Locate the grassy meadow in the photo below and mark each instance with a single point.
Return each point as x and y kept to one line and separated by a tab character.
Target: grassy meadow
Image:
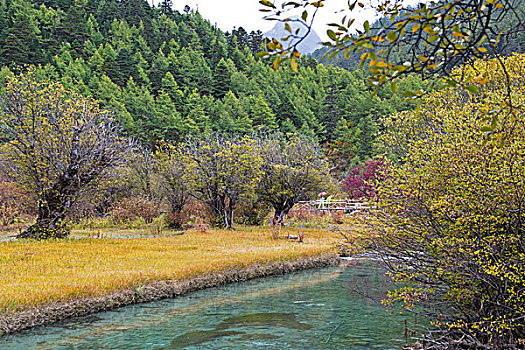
102	261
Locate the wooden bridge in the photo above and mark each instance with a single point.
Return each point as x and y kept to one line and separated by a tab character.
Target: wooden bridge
329	204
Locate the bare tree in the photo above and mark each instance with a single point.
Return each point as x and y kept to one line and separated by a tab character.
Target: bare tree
171	183
59	146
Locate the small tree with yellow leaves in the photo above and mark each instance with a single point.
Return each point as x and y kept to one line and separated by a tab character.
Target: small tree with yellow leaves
171	181
294	169
59	146
222	172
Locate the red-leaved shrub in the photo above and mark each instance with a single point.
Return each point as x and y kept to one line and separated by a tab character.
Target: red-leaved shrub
360	183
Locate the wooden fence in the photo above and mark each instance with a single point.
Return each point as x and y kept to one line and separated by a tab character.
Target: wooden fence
346	205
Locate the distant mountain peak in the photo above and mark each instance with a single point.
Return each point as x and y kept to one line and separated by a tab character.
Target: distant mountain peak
307	46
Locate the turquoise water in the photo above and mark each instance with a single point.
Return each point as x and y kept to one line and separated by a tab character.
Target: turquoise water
333	308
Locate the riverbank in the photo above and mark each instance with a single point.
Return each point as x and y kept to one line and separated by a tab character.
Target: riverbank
47	282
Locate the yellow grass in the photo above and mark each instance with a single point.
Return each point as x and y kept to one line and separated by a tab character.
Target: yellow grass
37	273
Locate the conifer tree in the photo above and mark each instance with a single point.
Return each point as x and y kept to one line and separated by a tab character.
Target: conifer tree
365	138
20	43
74	28
221	79
125	67
166	7
262	115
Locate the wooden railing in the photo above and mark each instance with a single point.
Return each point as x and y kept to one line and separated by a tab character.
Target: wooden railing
346	205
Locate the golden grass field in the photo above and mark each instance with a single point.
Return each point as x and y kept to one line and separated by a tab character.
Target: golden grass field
34	273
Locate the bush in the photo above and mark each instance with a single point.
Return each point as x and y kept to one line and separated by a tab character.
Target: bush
451	217
130	209
362	180
338	217
302	215
252	213
13	203
193	214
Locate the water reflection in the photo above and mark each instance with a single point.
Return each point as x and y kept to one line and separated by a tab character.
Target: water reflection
335	308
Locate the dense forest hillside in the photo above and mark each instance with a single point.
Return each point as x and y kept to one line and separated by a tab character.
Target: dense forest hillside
167	74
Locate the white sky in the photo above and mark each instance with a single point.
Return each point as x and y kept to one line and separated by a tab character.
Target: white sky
245	13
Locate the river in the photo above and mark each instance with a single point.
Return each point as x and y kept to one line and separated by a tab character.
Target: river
331	308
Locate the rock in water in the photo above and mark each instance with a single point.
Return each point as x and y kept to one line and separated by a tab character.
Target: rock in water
198	337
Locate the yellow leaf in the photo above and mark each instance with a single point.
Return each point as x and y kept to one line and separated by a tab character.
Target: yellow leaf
365	56
293	63
276	64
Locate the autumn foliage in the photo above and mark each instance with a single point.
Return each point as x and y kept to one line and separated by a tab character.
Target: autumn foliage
362	179
58	146
451	218
68	154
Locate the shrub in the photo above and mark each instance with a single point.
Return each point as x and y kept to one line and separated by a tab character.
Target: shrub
362	180
451	218
13	203
130	209
338	217
254	213
304	216
193	214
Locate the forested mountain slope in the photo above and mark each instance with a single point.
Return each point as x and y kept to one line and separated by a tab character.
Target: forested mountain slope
167	74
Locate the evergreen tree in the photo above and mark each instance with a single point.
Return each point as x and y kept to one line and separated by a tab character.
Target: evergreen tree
206	79
166	7
256	41
365	138
74	28
331	115
20	44
171	88
158	69
341	150
262	115
125	67
195	119
166	112
221	79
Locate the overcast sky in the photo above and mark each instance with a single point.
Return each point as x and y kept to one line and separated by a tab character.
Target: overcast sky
245	13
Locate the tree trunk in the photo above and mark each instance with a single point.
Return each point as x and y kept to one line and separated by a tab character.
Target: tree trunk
218	207
175	221
282	208
49	223
45	229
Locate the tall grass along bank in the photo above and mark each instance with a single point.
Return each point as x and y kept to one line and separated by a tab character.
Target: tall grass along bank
45	282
